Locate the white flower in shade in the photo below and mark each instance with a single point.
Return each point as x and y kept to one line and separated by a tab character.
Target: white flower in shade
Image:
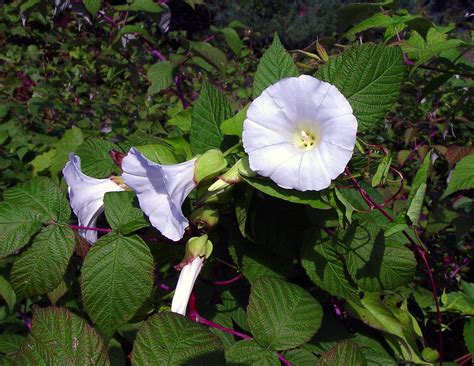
86	195
161	190
300	132
187	278
197	250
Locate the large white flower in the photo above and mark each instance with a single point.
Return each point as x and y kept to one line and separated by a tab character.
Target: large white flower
300	132
161	190
86	195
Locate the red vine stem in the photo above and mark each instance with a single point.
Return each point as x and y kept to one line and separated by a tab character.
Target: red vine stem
439	316
99	229
196	317
228	282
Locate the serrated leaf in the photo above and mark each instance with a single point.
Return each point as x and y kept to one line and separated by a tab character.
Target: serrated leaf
375	21
171	339
255	263
325	268
311	198
92	6
59	337
123	213
211	108
10	343
7	293
160	75
282	315
17	226
117	278
250	353
95	159
233	40
345	353
462	176
42	266
468	334
369	76
376	262
235	125
275	64
43	196
300	357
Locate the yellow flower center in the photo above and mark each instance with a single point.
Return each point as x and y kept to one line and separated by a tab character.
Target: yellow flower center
306	138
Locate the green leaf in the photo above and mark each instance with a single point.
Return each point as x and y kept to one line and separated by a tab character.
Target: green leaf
376	262
7	293
369	76
235	125
41	267
17	226
311	198
211	108
171	339
43	196
375	21
210	54
255	263
92	6
250	353
275	64
382	170
70	141
117	278
134	29
400	333
10	343
300	357
282	315
95	158
160	75
43	161
469	335
123	213
141	5
159	153
325	267
59	337
418	189
345	353
462	176
233	40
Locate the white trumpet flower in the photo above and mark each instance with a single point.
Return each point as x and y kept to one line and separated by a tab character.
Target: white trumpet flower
86	195
161	190
300	132
187	278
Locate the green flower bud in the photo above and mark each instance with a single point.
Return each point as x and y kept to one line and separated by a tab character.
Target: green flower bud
204	217
233	175
198	247
208	165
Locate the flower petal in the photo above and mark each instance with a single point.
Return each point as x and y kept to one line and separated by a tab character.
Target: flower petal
294	107
86	195
185	285
334	157
161	191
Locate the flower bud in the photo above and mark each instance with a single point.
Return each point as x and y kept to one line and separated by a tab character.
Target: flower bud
208	165
233	175
204	217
